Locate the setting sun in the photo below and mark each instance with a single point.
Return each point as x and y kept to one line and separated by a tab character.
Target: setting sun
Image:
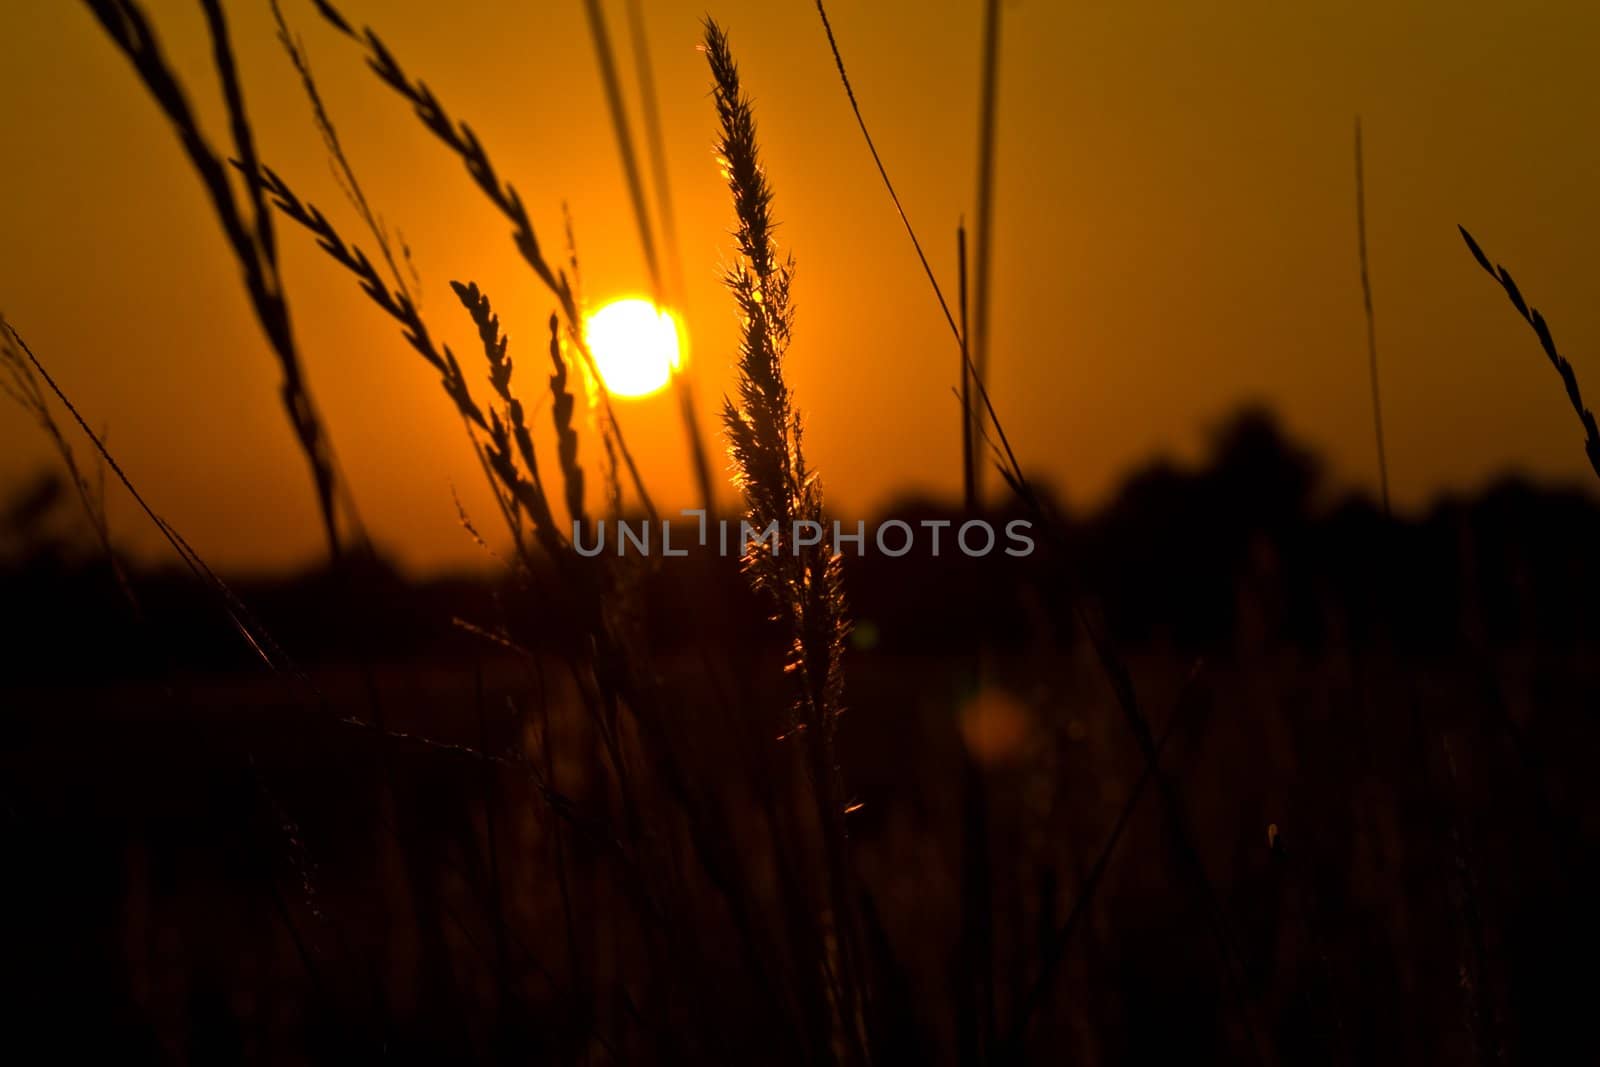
635	346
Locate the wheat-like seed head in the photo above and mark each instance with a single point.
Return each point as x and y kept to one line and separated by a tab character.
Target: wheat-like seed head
561	410
249	234
1541	329
460	139
530	491
396	303
764	430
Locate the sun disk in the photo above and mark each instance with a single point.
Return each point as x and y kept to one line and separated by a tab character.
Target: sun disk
635	347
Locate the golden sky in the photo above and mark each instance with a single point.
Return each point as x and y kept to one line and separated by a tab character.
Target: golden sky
1174	234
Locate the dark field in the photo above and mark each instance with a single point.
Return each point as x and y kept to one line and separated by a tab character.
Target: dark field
1371	838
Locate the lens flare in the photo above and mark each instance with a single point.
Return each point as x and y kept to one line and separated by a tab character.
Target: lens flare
635	347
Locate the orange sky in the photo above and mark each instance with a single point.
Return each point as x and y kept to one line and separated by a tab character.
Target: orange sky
1174	234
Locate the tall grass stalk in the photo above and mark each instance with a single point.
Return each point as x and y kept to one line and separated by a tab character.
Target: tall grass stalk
976	1021
1010	469
611	478
800	578
249	233
894	197
1372	332
606	60
254	635
1111	664
969	420
655	142
984	253
24	389
404	280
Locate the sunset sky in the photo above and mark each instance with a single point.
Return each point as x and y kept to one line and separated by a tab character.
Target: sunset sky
1174	235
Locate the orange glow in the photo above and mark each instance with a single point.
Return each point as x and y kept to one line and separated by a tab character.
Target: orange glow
635	347
995	726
